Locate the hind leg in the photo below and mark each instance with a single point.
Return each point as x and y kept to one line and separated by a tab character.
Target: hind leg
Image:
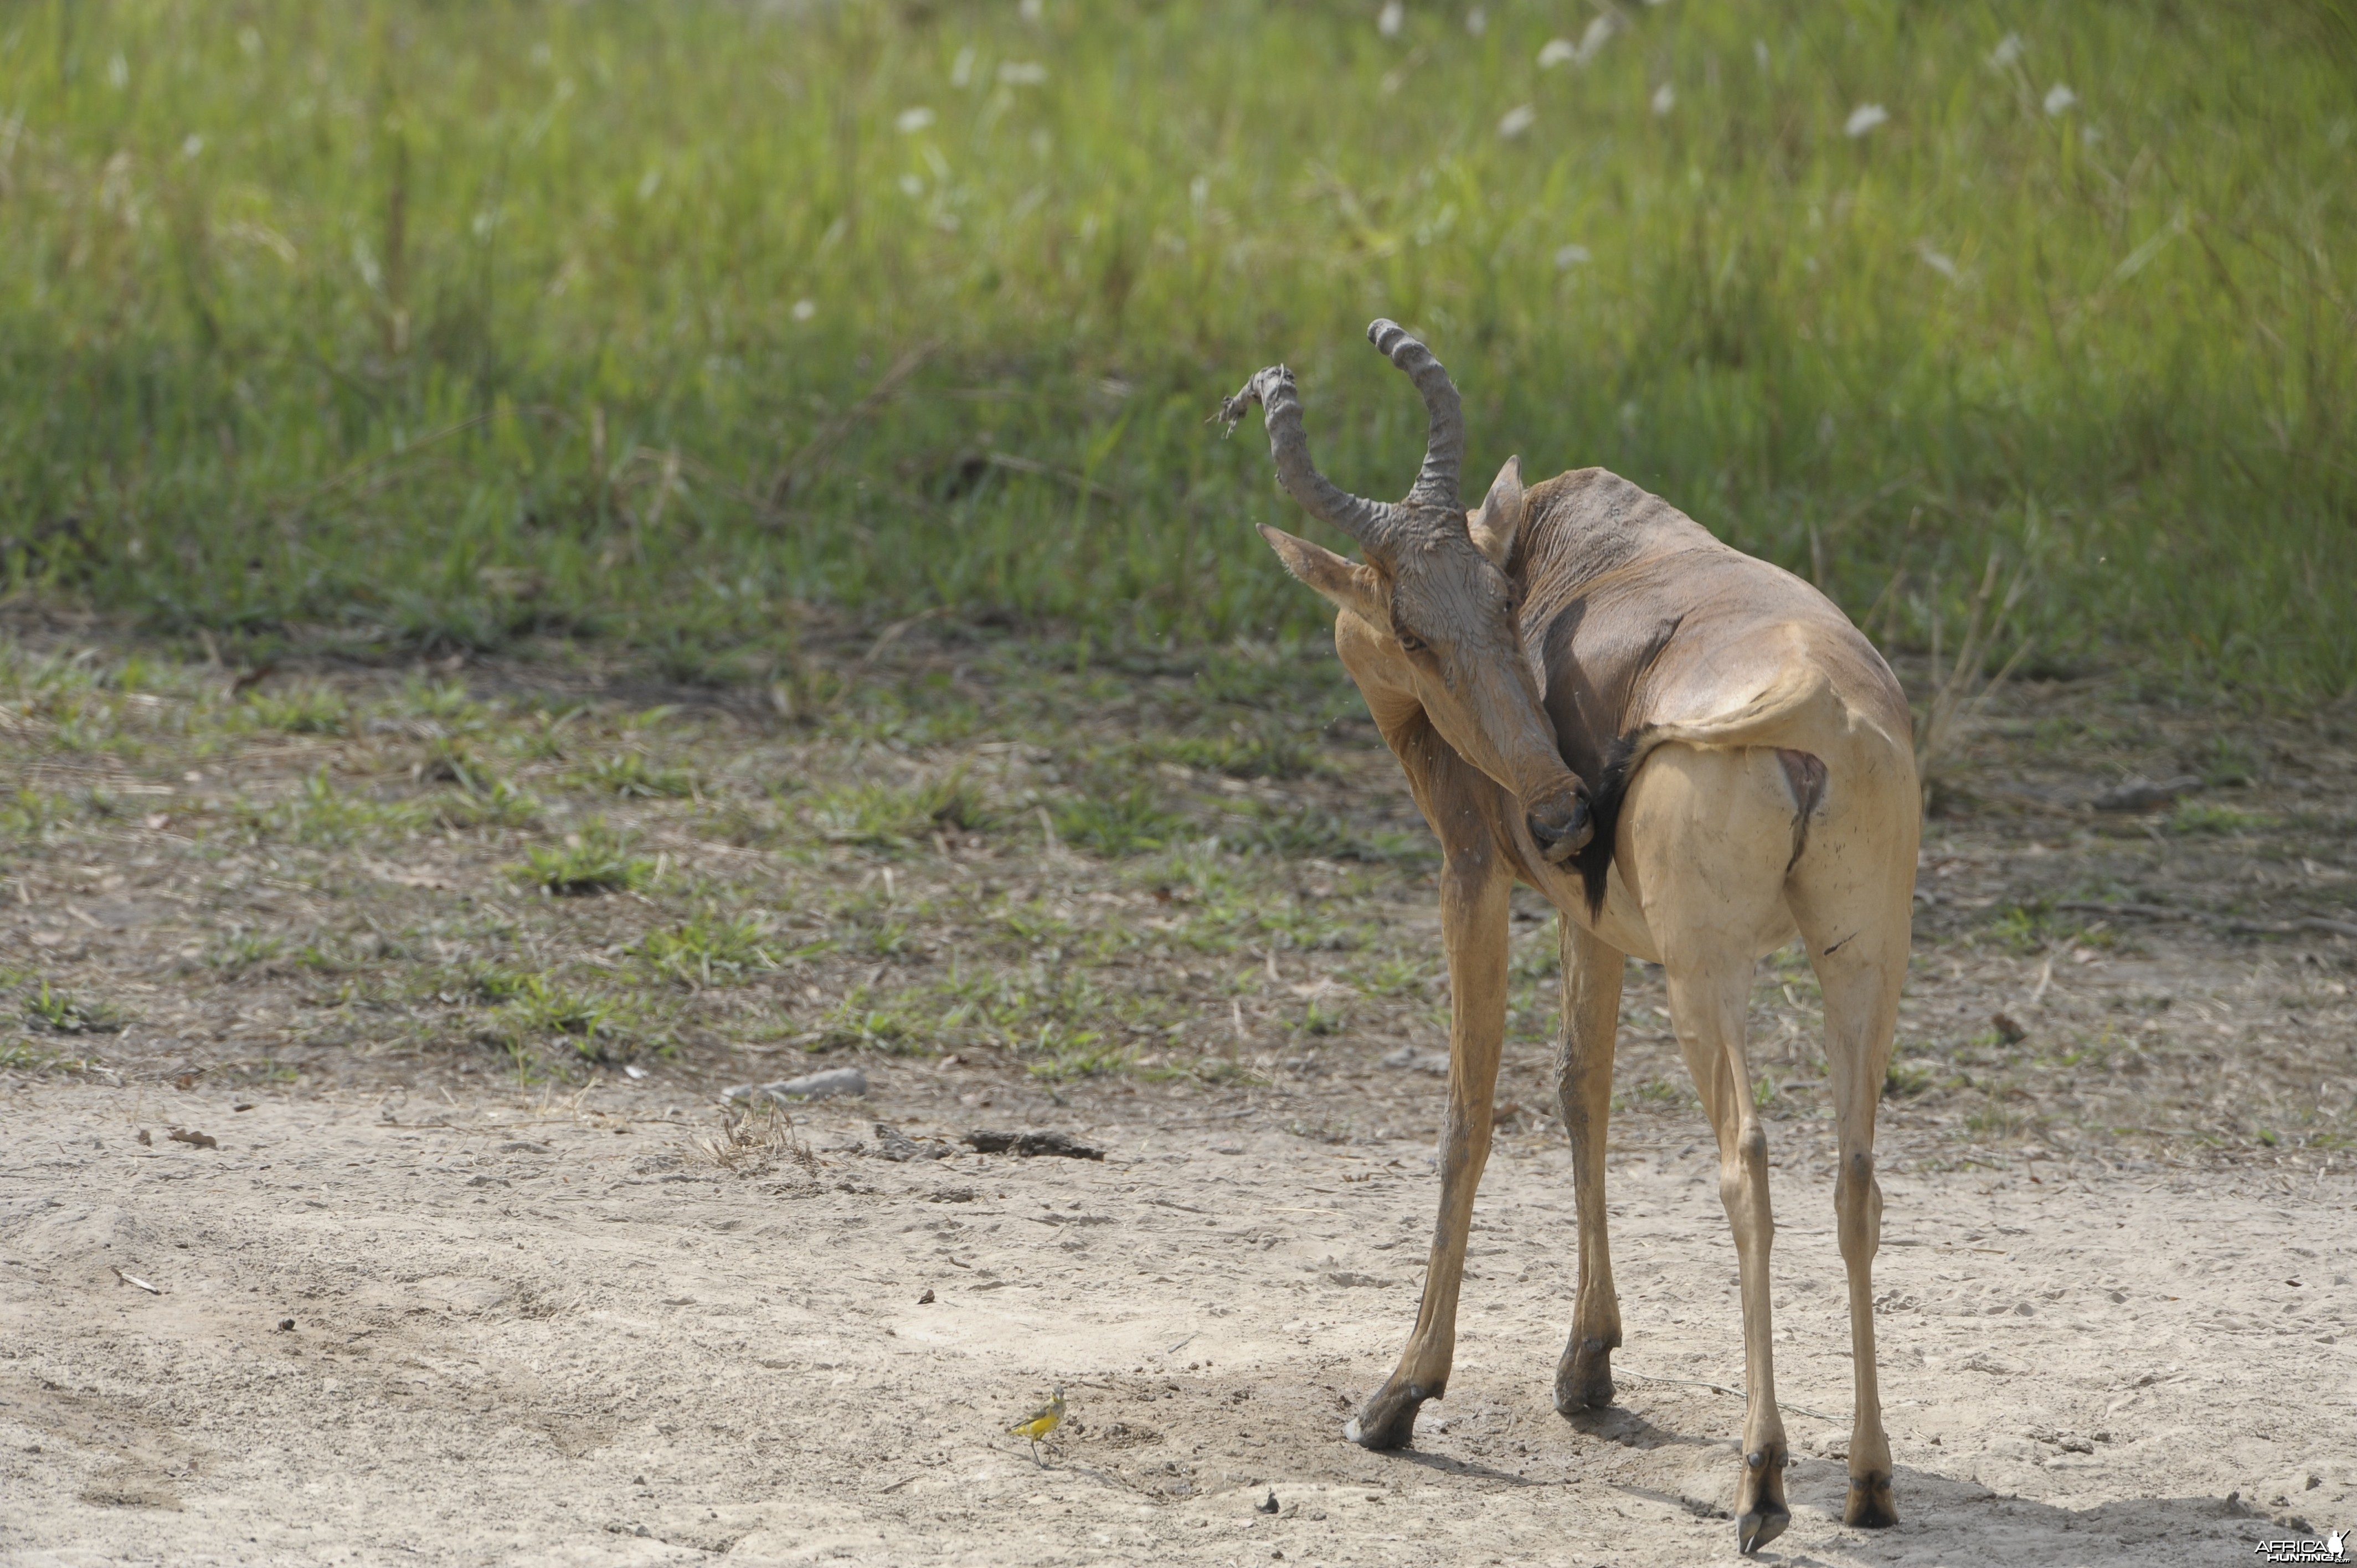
1710	834
1852	894
1591	1013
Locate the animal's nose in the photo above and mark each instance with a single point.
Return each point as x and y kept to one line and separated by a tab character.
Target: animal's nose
1562	827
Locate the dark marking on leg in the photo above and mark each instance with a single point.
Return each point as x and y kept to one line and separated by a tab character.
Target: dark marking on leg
1839	945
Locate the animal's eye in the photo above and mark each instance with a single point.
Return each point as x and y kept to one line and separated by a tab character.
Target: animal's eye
1410	643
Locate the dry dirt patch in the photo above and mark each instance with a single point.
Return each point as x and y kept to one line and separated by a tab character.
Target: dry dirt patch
520	1335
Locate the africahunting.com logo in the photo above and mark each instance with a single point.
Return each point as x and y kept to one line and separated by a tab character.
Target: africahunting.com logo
2333	1548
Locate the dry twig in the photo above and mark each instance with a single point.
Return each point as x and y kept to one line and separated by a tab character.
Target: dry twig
1960	693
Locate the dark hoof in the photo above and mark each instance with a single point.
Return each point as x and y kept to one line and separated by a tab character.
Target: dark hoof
1387	1419
1583	1379
1757	1528
1871	1505
1761	1515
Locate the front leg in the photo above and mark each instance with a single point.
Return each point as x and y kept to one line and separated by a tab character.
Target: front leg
1473	890
1591	1014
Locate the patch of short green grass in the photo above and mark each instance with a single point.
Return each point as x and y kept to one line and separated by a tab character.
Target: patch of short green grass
1270	752
1296	832
1117	822
1906	1079
2214	818
535	1009
594	859
890	816
238	950
63	1013
319	812
711	949
633	776
306	708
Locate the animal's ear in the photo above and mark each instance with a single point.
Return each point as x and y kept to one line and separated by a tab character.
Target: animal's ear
1501	518
1350	586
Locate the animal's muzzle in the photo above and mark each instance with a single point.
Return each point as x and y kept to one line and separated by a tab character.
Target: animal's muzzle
1562	827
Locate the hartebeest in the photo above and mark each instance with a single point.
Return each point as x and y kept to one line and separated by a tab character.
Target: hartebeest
1694	756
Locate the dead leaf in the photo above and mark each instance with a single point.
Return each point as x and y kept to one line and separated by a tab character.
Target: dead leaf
199	1140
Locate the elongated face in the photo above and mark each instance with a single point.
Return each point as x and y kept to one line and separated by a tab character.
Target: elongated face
1439	610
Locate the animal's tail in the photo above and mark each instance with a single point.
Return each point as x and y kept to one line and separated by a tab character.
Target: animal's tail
1765	720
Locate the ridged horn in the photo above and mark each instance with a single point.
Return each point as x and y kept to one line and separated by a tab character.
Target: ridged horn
1369	522
1444	445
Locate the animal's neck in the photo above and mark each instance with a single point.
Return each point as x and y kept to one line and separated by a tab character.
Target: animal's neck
1587	523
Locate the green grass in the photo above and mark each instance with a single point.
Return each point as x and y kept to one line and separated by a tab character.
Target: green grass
887	816
411	326
628	775
592	861
1117	822
533	1009
711	949
62	1014
2194	817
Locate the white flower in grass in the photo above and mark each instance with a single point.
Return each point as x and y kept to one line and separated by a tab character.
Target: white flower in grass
1391	19
804	309
1032	10
192	146
1665	98
1945	266
911	187
1563	52
1570	256
1477	20
1023	73
1516	121
2059	99
961	68
2008	49
909	121
1864	118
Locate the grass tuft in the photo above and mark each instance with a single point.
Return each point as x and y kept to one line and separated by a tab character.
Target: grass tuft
710	950
593	860
61	1014
888	816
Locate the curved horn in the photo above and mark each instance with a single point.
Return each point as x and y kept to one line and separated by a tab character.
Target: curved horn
1364	520
1444	447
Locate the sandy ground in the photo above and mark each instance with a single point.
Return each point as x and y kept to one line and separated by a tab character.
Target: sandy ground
525	1332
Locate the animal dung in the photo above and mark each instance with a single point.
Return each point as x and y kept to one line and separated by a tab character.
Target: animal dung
988	1141
193	1138
811	1086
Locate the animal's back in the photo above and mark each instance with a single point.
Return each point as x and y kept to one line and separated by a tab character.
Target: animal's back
1650	629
